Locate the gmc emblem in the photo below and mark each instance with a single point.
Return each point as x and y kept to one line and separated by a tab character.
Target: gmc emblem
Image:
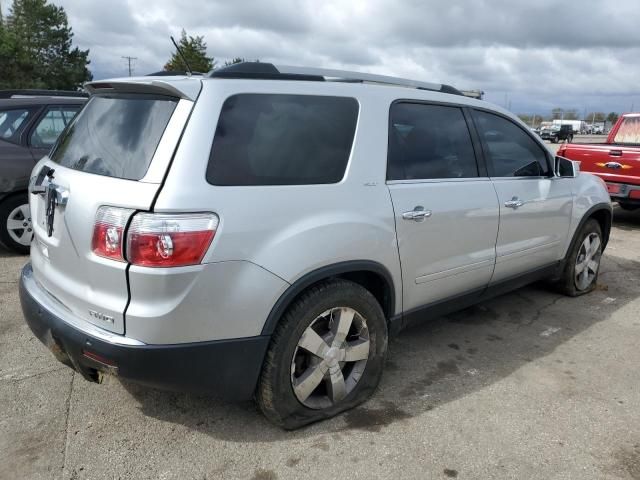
101	316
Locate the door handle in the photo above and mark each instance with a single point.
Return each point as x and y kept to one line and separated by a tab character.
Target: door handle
514	203
615	153
418	214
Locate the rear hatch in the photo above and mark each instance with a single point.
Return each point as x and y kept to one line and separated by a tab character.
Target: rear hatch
115	153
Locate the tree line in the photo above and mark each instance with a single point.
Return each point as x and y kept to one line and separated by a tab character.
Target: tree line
194	51
37	51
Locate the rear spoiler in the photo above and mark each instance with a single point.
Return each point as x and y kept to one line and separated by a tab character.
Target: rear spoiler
187	88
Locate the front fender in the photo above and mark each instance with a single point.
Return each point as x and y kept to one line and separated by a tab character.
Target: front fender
590	196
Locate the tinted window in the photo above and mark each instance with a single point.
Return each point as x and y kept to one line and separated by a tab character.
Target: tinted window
282	140
429	141
115	136
511	151
10	123
628	132
51	126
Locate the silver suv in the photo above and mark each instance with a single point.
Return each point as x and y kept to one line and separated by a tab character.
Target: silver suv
260	232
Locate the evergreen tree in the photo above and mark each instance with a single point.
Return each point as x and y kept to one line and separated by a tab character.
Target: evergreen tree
37	39
194	50
233	61
612	117
7	54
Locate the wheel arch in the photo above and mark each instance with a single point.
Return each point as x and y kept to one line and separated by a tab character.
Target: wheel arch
373	276
603	214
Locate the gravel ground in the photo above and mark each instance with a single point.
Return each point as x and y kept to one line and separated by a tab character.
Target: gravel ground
529	385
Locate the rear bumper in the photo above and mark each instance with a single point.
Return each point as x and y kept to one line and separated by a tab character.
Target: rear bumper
624	191
228	368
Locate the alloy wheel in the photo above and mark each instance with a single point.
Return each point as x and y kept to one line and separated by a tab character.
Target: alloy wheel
588	261
19	225
330	358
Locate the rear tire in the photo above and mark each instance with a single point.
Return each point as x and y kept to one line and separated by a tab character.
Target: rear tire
582	263
297	387
16	230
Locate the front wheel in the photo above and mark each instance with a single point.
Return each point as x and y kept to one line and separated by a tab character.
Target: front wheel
326	355
583	261
16	230
554	139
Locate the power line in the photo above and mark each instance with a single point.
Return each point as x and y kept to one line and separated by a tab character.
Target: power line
129	61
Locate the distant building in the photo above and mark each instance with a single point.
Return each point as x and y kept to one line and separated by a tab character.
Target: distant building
477	94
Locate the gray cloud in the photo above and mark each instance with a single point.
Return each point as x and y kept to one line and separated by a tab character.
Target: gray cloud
538	53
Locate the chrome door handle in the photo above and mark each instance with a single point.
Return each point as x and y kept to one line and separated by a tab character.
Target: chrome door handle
418	214
514	203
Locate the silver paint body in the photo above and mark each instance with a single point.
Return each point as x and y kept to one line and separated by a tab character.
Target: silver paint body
271	236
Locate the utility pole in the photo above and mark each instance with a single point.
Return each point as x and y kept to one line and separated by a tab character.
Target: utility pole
129	60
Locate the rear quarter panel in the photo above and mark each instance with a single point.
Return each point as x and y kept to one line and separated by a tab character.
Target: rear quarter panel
16	163
291	230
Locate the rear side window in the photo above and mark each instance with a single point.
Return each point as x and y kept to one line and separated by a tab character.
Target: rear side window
510	151
11	122
428	142
272	139
629	132
115	136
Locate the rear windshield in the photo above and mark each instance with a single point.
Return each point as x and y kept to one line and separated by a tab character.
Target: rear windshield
629	131
115	136
273	139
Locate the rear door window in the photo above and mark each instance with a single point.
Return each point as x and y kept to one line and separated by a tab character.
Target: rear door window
510	151
115	136
277	139
429	142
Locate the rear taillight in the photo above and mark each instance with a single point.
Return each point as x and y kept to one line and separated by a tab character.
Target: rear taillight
169	240
108	230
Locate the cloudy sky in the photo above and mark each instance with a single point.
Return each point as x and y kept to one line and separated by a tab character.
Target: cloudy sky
529	55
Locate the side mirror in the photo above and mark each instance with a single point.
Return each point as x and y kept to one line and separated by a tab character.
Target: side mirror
566	168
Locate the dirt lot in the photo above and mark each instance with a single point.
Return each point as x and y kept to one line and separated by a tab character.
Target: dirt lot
531	385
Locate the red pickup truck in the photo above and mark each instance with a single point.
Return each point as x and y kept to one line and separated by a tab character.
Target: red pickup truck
617	161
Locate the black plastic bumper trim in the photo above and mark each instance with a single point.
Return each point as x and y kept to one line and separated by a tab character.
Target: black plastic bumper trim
225	368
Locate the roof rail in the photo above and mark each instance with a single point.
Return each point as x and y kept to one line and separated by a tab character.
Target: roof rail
172	73
260	70
22	93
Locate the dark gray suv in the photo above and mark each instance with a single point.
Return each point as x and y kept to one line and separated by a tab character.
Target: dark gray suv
30	122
